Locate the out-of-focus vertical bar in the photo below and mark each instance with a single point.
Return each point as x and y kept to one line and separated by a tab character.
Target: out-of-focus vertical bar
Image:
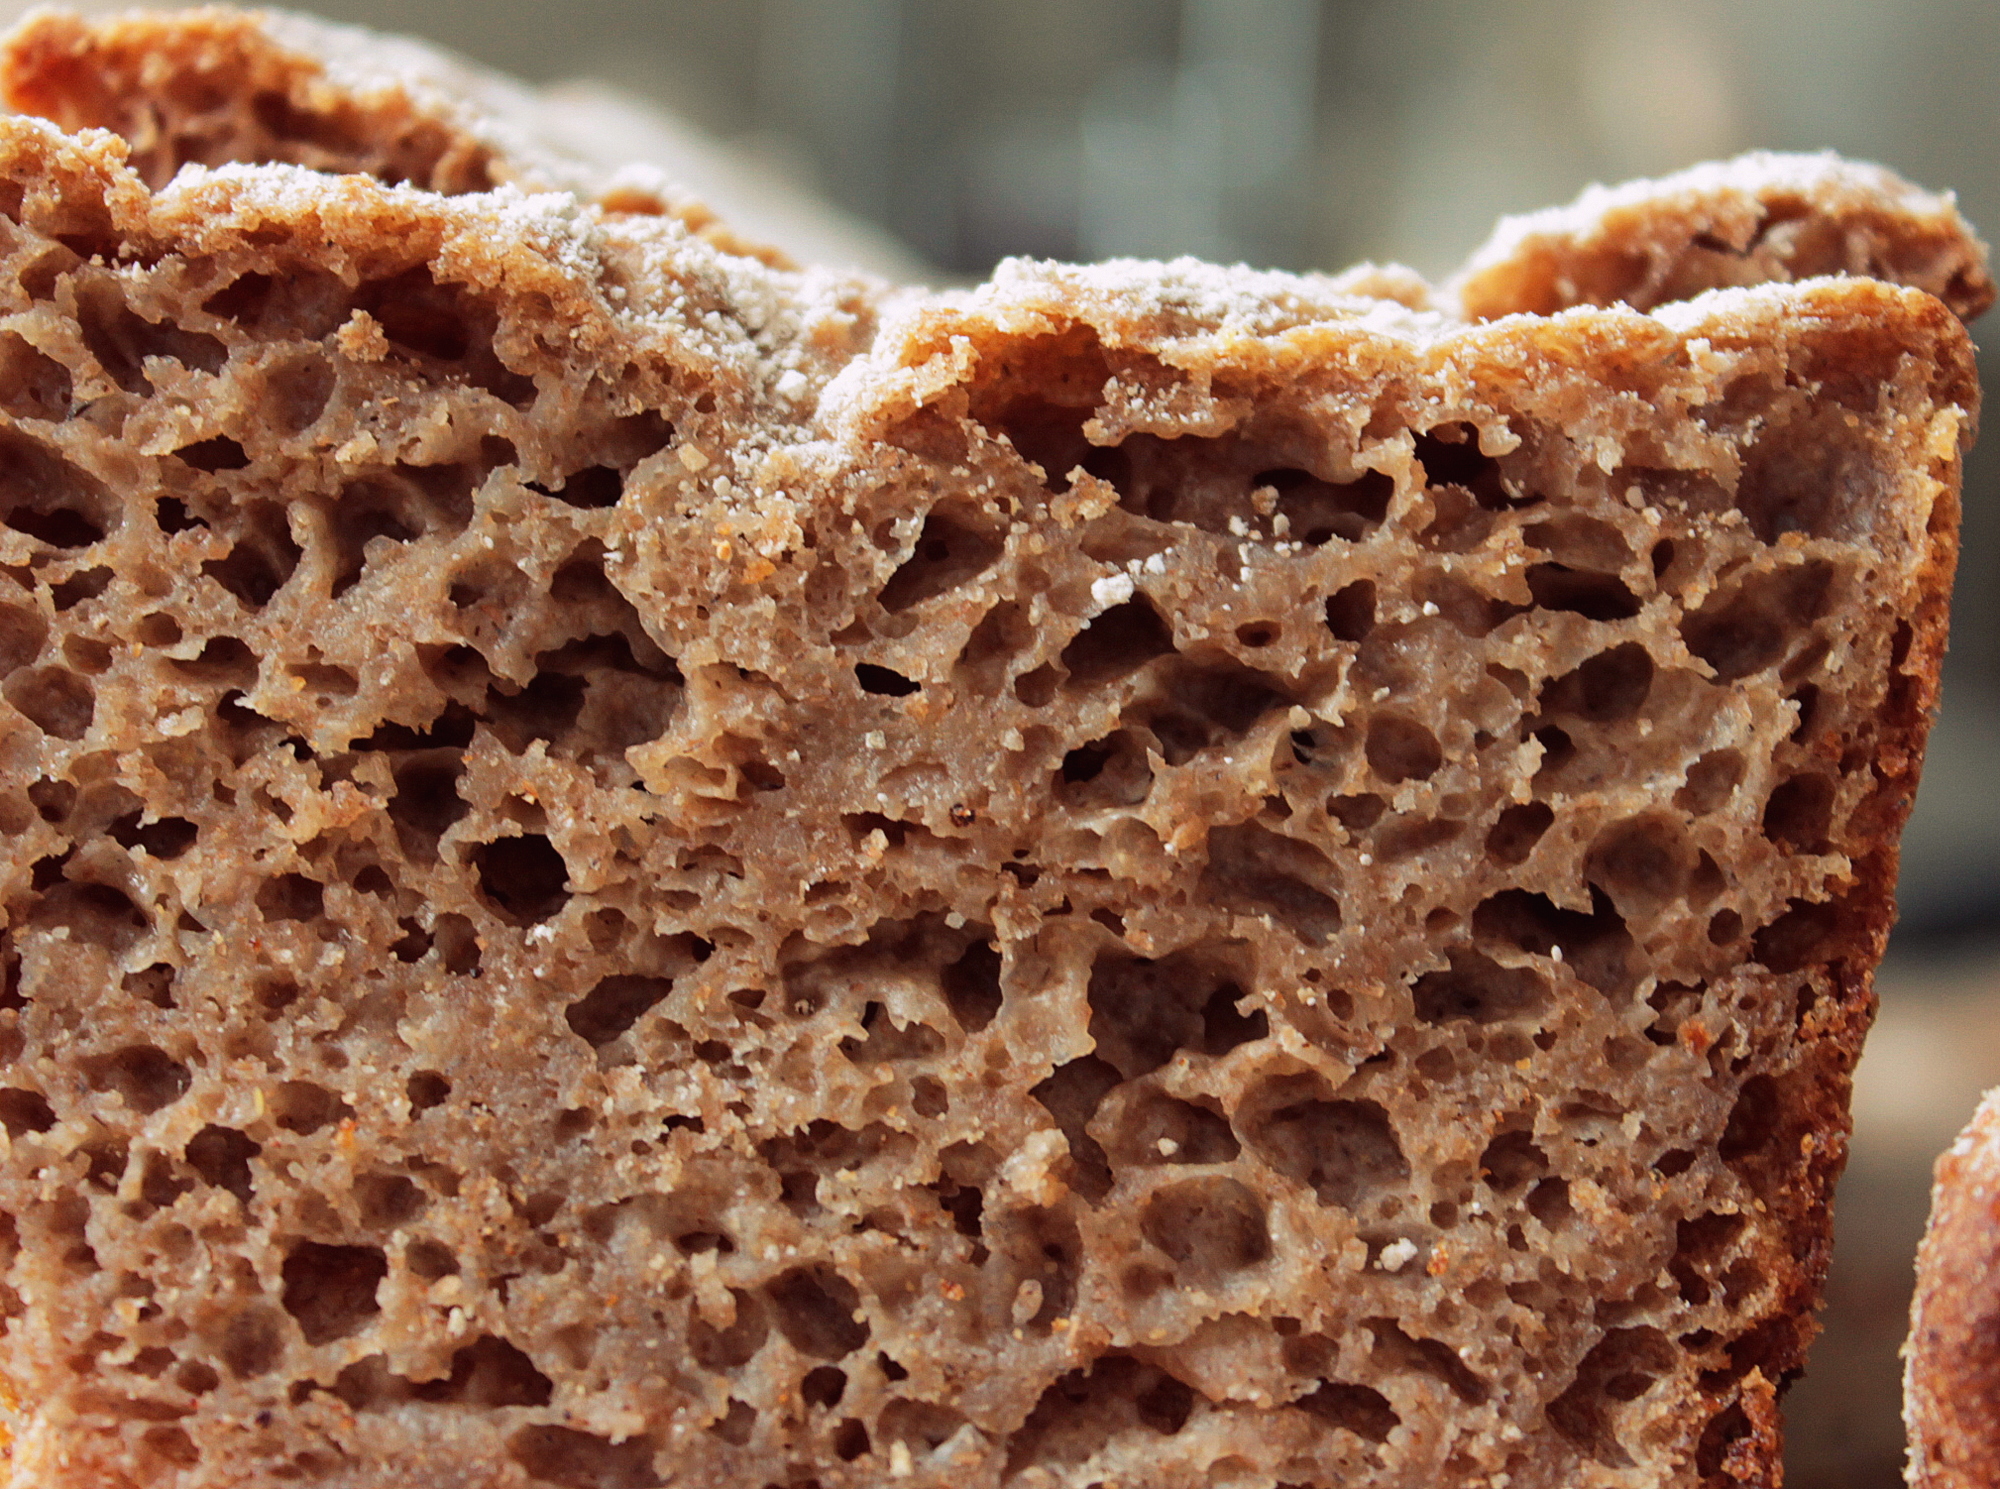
1258	62
1211	154
827	76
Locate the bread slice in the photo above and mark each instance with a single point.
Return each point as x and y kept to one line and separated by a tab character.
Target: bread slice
1951	1384
626	866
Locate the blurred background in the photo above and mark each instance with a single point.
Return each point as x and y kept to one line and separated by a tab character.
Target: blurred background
931	138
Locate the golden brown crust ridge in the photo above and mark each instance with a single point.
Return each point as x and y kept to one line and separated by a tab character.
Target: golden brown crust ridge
218	85
1758	219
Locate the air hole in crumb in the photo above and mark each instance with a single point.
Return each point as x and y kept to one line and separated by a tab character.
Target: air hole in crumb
217	454
1401	749
173	1445
1747	628
330	1290
426	803
729	1349
1799	814
615	1005
571	1459
948	553
23	1112
365	512
292	897
430	1260
823	1385
147	1077
1117	642
1592	595
1223	1028
166	839
55	699
1516	831
426	1089
490	1372
850	1440
1343	1151
1754	1122
1799	937
923	1425
1142	1011
1037	687
122	341
33	385
1478	989
1644	863
1711	781
1549	1203
1396	1351
1350	612
59	527
1259	633
22	635
388	1200
1364	1412
882	681
594	487
815	1309
1612	686
525	877
1583	1412
221	1155
84	584
264	558
154	985
1080	1411
1259	872
1674	1162
1512	1161
1317	511
252	1343
1596	947
1357	813
1209	1227
736	1424
971	986
1072	1095
304	1107
1157	1128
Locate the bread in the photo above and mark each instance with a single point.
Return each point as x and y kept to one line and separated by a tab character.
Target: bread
1951	1382
628	866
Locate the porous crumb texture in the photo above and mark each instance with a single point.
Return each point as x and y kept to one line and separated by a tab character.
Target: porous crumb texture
625	868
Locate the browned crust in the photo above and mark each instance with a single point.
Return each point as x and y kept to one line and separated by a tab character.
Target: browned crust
1759	219
219	85
1951	1383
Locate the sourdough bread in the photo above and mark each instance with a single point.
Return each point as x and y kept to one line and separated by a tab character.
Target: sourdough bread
628	866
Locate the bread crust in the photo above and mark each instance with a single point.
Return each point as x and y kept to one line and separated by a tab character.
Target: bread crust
1951	1384
1762	218
216	85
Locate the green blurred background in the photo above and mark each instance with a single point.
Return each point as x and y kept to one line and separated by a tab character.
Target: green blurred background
1311	133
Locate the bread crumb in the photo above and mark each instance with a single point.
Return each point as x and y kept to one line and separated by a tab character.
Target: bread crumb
1397	1255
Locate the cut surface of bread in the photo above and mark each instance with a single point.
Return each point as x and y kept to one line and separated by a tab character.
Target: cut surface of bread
1951	1385
630	867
